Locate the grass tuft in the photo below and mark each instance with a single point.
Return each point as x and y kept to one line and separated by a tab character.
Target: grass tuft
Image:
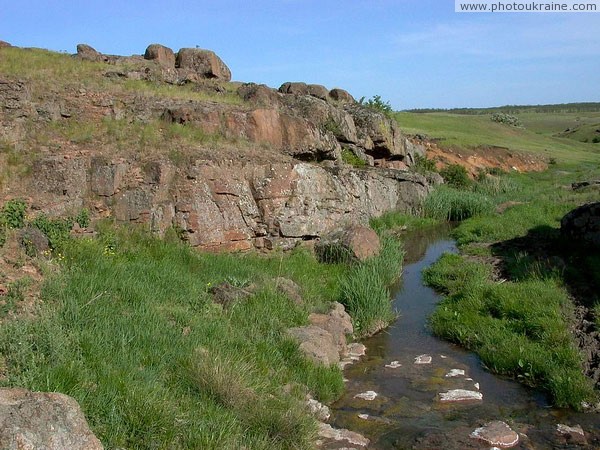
364	289
446	203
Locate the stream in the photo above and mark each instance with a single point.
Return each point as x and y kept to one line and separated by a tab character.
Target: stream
408	413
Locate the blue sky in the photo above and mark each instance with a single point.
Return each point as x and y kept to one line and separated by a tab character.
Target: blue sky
414	53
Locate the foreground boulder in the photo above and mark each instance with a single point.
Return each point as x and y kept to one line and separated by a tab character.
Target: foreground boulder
583	224
357	242
39	420
204	63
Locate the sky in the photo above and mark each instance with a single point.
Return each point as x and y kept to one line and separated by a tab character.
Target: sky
413	53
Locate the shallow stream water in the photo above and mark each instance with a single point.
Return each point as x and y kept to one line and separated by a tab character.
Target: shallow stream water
407	412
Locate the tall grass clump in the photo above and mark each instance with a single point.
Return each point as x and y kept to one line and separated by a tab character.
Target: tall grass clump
395	221
447	203
517	328
365	288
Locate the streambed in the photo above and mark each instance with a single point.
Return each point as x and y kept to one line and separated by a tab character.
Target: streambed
408	368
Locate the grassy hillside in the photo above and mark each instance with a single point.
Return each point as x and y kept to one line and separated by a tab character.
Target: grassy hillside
539	135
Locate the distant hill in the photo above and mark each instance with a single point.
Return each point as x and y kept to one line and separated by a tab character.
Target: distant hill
517	109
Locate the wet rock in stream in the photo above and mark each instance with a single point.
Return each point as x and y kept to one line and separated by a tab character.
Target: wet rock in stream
497	434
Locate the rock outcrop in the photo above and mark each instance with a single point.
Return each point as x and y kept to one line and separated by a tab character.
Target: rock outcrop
272	176
226	207
36	420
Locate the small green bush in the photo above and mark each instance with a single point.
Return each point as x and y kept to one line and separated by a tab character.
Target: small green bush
57	230
377	104
456	175
423	165
13	214
506	119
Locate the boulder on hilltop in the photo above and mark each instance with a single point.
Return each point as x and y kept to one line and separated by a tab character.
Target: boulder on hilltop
203	63
164	56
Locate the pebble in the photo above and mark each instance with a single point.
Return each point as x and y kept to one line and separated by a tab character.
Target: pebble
363	416
393	365
369	395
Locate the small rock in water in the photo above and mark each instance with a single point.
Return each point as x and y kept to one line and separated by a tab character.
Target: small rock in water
497	434
455	373
328	432
363	416
423	359
356	349
469	379
476	386
369	395
443	356
393	365
574	434
460	395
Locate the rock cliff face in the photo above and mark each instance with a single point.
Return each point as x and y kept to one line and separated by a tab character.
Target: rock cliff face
275	174
226	207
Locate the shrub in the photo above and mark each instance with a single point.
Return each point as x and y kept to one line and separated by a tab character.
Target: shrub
506	119
13	214
456	175
423	165
57	230
377	104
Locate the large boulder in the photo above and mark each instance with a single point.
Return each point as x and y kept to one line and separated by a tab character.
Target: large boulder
39	420
356	242
204	63
583	224
294	88
342	96
164	56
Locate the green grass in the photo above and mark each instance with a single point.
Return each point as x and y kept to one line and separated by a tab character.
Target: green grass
398	221
464	131
38	66
365	288
129	330
447	203
518	329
